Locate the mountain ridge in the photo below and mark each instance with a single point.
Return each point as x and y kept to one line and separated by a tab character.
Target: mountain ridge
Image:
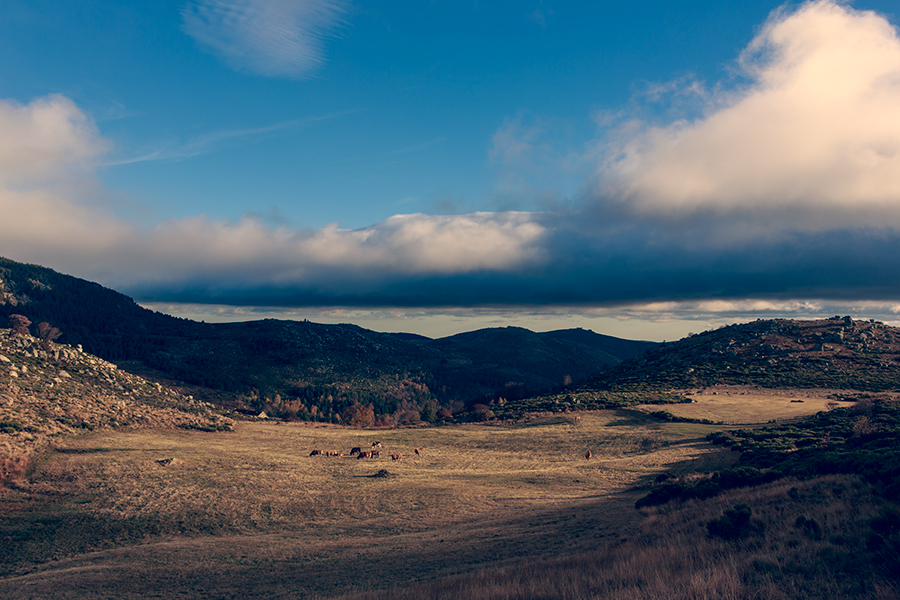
310	371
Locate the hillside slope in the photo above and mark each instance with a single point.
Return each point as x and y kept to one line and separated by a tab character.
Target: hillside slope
50	390
520	360
839	353
831	353
307	370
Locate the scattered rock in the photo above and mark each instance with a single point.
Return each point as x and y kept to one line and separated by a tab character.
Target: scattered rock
67	392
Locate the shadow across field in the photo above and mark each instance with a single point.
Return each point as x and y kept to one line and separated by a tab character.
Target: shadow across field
249	514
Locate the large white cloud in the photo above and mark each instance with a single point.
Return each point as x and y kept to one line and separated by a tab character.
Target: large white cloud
269	37
812	141
47	152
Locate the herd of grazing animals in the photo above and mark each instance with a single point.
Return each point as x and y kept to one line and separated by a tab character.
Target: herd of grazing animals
325	453
375	452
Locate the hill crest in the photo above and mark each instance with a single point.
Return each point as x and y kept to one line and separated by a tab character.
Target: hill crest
838	353
304	370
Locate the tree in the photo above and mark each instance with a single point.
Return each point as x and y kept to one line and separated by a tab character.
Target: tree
47	334
357	415
18	325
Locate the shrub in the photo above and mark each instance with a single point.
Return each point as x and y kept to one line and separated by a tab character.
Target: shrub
884	539
734	523
47	334
809	527
12	468
18	325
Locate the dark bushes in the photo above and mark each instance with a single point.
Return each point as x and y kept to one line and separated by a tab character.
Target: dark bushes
734	523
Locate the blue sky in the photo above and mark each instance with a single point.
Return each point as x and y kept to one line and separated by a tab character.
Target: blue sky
644	169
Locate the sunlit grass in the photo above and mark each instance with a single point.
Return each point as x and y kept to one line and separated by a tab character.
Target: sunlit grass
254	499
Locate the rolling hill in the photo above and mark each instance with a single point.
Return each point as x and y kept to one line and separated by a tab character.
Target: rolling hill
304	370
838	353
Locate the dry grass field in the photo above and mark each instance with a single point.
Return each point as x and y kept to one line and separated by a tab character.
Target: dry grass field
741	405
249	514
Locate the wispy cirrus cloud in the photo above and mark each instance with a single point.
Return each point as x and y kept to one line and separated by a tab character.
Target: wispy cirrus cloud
275	38
207	143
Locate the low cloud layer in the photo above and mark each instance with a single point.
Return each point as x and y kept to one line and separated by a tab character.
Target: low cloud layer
276	38
787	187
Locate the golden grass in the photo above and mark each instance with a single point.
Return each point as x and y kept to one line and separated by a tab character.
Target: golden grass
671	556
103	518
746	406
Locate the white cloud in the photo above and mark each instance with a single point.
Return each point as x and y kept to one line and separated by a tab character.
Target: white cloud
44	140
51	140
269	37
403	245
812	142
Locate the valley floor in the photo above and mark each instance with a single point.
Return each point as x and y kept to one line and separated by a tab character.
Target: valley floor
250	514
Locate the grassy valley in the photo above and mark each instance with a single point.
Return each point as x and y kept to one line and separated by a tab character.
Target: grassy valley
278	522
756	460
502	511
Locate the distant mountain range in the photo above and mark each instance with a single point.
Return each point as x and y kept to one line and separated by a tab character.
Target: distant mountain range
307	370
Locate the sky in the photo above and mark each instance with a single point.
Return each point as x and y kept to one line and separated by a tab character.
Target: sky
644	169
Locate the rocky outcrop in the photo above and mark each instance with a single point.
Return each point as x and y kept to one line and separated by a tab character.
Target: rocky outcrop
50	390
839	352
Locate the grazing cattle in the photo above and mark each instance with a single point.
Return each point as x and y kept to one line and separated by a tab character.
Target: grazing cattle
577	420
315	453
588	455
418	452
334	453
375	453
355	450
364	454
397	456
376	444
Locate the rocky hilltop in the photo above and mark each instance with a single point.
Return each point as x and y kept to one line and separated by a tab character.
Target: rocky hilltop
839	353
49	390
